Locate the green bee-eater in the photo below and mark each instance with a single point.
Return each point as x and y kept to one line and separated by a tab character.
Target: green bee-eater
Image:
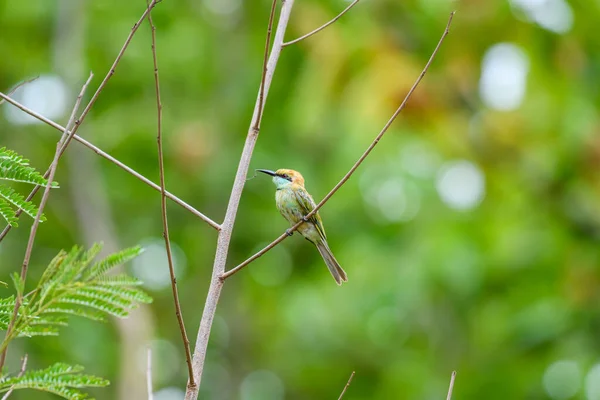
294	202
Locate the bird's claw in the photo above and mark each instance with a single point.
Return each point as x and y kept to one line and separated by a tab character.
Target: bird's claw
289	232
304	219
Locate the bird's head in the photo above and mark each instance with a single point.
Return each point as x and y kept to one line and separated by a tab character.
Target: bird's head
284	177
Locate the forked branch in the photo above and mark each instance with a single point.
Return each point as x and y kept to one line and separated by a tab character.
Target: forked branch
108	157
163	207
319	29
97	150
356	165
64	140
216	284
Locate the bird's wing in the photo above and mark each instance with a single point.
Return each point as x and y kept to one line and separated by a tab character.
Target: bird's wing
307	204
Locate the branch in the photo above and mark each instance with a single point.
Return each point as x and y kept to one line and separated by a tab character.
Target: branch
322	26
148	373
449	396
216	283
346	387
163	208
21	372
64	140
18	86
108	157
261	91
355	166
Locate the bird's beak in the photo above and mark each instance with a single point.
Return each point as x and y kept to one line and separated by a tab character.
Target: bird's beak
268	172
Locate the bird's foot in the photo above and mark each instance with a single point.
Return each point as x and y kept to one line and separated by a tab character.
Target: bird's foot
289	232
304	219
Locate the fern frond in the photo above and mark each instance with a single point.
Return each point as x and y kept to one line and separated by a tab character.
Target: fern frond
117	280
60	379
7	305
68	309
18	200
126	295
8	213
13	167
102	267
100	305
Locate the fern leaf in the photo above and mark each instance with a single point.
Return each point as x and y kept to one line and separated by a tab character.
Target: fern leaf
124	293
19	201
118	280
97	304
102	267
7	305
13	167
8	213
60	379
67	309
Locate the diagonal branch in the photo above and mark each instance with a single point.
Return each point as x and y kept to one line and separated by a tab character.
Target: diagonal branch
21	372
163	208
355	166
216	284
319	29
64	140
18	86
346	387
107	156
451	387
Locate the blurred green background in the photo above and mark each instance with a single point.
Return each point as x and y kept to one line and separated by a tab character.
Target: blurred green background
471	235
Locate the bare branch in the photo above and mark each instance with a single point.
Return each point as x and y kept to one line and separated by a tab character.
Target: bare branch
261	92
108	157
222	251
21	372
322	26
149	373
163	208
451	388
111	71
18	86
355	166
64	140
346	387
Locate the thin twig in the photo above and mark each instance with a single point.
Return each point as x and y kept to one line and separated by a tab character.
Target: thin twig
216	284
111	71
65	138
18	86
108	157
96	149
149	373
451	387
355	166
261	91
21	372
322	26
346	387
163	208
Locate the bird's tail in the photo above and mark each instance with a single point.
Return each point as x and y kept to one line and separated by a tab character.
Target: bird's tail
334	267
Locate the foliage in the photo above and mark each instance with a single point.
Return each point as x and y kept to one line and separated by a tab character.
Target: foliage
72	284
500	291
60	379
14	167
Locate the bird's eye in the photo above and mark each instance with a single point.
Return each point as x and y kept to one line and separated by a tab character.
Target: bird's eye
286	176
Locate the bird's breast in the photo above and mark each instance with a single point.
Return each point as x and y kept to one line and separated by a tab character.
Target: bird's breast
288	205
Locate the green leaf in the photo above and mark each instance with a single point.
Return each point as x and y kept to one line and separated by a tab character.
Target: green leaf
13	167
19	201
60	379
8	213
110	262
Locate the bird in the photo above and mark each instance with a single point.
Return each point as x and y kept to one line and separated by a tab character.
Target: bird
294	203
